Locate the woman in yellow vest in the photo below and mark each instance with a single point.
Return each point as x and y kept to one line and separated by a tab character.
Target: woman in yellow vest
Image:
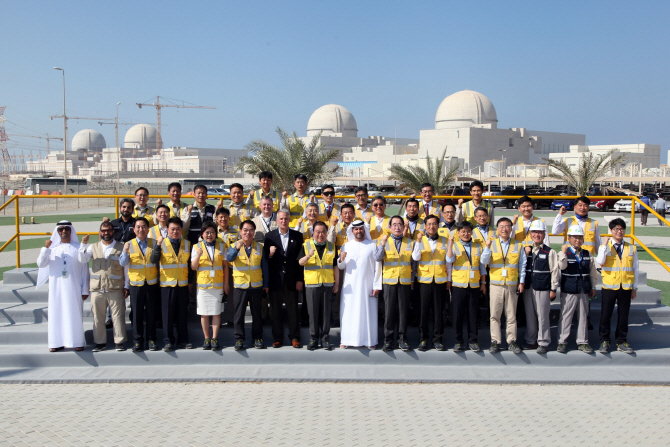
172	254
208	260
431	253
620	271
507	272
395	253
319	258
468	277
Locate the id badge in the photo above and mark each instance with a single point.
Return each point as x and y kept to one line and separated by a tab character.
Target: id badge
504	273
212	273
63	274
472	274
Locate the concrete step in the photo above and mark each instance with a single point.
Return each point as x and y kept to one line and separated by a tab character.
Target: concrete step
21	276
13	294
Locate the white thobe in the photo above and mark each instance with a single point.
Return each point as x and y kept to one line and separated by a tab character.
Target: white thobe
358	309
66	306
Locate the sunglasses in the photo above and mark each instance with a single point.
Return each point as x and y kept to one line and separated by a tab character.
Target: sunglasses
62	229
328	193
377	205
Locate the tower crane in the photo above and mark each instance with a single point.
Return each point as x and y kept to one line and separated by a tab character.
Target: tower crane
159	106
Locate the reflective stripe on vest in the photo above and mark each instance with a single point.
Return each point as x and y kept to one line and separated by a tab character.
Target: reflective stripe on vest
460	271
619	273
510	263
319	271
174	267
248	272
205	280
140	269
398	268
590	226
433	265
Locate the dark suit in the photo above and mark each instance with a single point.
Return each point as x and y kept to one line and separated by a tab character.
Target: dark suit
285	271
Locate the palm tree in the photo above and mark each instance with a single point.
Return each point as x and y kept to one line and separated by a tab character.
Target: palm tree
293	157
412	177
590	168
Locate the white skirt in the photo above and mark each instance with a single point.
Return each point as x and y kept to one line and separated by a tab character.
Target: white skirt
209	301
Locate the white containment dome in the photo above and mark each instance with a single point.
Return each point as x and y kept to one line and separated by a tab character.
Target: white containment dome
466	108
140	136
89	140
333	120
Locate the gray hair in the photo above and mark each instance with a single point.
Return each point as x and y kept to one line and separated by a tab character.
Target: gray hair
285	212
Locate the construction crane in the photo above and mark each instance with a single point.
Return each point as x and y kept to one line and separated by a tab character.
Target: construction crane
48	138
6	159
159	106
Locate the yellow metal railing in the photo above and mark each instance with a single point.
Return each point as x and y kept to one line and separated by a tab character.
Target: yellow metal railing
17	236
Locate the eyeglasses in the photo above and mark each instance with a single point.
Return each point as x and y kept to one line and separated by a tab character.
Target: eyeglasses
376	205
361	196
64	229
505	226
618	230
328	193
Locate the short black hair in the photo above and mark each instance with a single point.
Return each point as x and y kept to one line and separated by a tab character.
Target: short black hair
464	224
174	185
448	204
223	210
162	205
503	219
319	223
431	216
361	188
207	225
411	201
481	208
141	188
250	222
379	197
300	177
264	174
396	217
524	199
126	200
197	187
324	187
477	183
106	224
617	222
142	219
347	205
237	185
582	199
425	185
175	220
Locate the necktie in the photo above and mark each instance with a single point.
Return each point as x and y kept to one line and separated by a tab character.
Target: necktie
329	210
618	249
426	209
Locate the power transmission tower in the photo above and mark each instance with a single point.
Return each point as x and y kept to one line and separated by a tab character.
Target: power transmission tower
6	159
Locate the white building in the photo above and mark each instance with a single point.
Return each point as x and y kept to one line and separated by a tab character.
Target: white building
647	155
86	149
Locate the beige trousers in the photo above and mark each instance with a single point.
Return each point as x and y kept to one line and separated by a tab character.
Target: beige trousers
117	304
503	297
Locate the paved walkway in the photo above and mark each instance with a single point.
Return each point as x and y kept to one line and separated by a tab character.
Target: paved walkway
362	414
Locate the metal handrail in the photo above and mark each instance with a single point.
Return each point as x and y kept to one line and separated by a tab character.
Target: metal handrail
17	198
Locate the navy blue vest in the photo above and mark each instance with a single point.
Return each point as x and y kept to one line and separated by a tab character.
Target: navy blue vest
196	222
538	274
575	279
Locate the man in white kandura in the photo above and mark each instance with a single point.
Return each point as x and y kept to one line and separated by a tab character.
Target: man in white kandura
68	288
360	288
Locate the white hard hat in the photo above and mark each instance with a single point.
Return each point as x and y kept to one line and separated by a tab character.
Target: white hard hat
575	230
538	225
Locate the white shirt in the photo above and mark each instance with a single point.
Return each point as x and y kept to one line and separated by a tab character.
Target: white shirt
284	239
210	251
602	256
379	222
559	226
416	254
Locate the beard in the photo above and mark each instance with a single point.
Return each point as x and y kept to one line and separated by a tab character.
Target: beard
107	237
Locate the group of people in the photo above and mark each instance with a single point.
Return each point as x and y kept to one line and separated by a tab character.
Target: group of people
344	263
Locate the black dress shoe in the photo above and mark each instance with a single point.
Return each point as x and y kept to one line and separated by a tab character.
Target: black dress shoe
153	346
439	347
258	344
109	323
99	347
423	346
185	346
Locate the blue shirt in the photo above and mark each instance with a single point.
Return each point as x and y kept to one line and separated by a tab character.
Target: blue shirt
265	269
521	264
124	259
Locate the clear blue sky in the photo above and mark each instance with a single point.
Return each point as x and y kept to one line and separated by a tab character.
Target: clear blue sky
598	68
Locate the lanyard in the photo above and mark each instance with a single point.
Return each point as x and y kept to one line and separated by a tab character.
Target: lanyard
579	258
506	252
468	254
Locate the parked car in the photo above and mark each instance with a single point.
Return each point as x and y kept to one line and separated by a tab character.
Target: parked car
558	203
603	205
217	192
509	203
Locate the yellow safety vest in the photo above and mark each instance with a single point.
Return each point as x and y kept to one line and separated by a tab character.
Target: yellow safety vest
432	210
173	267
477	235
618	273
469	211
140	268
465	270
259	194
155	232
341	232
319	271
398	266
419	228
229	238
433	264
238	214
323	216
210	271
306	231
148	215
296	206
247	272
509	263
180	208
360	215
445	232
590	226
521	234
385	228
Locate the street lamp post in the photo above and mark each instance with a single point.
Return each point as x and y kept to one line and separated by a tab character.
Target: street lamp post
502	153
118	150
64	135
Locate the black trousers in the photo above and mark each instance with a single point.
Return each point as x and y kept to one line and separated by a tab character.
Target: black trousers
174	302
290	298
143	302
396	310
319	303
622	299
432	298
240	299
465	302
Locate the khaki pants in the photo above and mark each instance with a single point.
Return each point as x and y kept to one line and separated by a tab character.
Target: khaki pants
571	303
503	297
117	304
